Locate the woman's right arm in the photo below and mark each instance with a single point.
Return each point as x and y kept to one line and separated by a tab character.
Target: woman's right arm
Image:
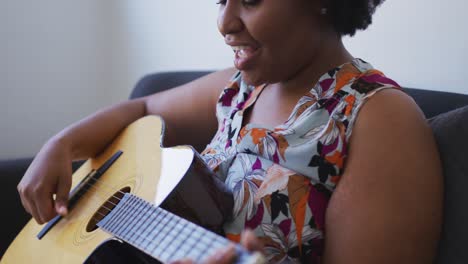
190	107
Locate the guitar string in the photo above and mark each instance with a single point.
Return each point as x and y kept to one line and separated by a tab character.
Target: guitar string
219	240
110	188
151	241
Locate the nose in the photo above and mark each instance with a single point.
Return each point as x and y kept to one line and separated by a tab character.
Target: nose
229	20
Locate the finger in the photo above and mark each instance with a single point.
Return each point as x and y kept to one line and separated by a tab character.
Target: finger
250	241
23	199
61	197
226	255
28	203
33	211
44	206
183	261
35	215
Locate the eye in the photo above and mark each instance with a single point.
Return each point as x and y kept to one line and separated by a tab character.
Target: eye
250	2
244	2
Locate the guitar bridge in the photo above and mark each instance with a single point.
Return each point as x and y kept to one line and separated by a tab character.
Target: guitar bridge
78	192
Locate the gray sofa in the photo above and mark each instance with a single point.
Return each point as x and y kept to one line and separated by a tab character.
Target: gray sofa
446	112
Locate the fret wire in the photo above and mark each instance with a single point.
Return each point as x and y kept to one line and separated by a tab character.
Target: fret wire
158	232
167	242
198	231
208	247
122	221
204	238
133	198
154	227
142	214
178	233
152	218
192	229
221	242
112	221
126	224
146	214
188	237
199	244
169	228
145	222
175	246
134	216
156	242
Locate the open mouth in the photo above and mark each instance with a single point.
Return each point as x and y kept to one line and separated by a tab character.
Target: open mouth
244	55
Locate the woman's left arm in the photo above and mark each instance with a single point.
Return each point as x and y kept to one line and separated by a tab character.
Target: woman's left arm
387	207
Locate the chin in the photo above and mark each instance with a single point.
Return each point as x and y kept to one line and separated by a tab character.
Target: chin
250	79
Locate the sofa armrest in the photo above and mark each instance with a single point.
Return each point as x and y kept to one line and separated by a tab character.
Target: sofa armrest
15	217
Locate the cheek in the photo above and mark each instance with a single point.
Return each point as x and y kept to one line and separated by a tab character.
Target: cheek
284	55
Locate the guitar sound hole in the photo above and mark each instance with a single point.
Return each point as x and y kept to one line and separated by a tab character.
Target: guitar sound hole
106	208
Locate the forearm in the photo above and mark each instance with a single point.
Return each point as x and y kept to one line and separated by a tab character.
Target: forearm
88	137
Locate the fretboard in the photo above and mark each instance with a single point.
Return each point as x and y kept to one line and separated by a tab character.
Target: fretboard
163	235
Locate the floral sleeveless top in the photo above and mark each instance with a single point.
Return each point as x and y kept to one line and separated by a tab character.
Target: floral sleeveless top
282	177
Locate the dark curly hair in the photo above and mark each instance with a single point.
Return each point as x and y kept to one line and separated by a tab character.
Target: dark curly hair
348	16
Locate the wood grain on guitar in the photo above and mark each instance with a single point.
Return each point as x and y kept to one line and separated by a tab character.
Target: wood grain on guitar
144	199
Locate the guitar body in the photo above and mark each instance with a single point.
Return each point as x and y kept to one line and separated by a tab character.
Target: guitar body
146	170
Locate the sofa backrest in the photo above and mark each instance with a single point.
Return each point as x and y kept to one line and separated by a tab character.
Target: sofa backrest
451	132
436	102
432	103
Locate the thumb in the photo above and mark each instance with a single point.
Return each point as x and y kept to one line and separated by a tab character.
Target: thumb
61	197
250	241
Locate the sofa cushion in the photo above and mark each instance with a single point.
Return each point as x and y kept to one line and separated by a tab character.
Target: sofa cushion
433	103
451	132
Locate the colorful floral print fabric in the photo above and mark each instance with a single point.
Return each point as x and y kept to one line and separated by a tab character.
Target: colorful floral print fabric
282	177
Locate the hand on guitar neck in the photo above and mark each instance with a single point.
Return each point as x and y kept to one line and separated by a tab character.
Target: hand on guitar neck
228	254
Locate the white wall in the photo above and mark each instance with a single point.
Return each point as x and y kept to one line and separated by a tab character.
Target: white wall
62	60
419	43
55	68
174	35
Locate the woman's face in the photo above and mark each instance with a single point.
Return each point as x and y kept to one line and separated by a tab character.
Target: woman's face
272	39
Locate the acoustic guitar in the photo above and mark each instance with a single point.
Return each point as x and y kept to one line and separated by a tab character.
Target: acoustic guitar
162	201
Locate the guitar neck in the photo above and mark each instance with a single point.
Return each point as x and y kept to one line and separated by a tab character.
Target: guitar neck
163	235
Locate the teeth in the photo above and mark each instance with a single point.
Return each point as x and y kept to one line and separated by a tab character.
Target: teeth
241	51
237	48
242	54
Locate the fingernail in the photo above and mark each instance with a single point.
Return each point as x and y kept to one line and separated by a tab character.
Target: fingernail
62	210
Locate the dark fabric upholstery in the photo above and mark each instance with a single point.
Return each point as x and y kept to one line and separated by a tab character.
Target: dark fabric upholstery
434	102
451	132
158	82
14	216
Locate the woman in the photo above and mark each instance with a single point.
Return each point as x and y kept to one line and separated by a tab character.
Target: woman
293	119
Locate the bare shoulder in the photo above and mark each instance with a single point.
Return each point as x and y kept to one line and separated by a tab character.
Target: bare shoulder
387	207
190	107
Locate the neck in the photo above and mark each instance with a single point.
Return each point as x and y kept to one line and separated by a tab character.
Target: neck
331	54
